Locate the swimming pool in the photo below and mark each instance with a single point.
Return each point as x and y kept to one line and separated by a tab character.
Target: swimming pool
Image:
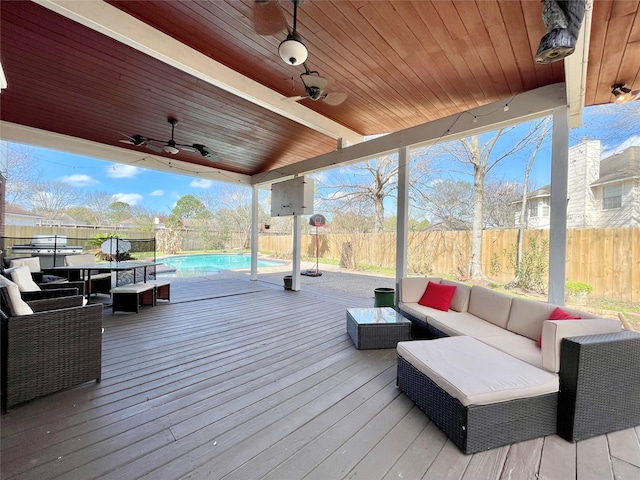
211	263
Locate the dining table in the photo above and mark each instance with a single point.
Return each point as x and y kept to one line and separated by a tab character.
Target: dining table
85	270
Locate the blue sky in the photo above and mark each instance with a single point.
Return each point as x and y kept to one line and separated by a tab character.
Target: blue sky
158	191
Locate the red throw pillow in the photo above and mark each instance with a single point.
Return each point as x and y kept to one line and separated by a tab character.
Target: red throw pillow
558	314
438	296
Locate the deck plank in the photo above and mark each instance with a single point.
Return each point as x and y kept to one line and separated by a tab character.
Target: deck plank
624	445
523	460
242	380
558	460
593	460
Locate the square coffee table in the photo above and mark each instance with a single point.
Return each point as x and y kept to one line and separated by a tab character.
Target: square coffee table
371	328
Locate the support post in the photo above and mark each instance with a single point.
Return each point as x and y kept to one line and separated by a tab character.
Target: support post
255	227
402	226
558	210
297	238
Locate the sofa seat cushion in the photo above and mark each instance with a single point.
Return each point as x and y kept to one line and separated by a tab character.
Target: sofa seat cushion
517	346
462	323
475	373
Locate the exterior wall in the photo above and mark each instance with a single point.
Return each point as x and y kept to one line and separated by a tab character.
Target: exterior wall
628	215
26	220
584	169
541	220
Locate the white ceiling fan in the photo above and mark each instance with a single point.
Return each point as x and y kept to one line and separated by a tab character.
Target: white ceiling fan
315	87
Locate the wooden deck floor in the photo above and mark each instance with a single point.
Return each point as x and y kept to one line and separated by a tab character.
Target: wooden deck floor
243	380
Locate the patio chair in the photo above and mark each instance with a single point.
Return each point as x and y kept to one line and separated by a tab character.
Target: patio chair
39	276
47	345
100	282
31	290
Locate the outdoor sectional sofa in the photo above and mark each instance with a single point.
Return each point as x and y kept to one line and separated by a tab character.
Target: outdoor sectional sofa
484	379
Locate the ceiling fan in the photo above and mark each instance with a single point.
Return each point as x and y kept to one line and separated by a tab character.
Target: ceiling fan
268	19
315	88
169	146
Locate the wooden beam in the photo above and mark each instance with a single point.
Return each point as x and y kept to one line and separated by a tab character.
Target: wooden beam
575	69
114	23
524	107
13	132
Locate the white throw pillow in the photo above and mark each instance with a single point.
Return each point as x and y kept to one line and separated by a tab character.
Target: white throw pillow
18	306
33	263
22	277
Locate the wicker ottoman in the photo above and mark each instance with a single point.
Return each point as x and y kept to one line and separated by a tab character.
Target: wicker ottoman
480	397
371	328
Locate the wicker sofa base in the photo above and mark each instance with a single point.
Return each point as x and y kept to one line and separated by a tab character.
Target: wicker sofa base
479	427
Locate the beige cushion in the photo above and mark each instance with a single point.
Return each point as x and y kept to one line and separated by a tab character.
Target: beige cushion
18	306
21	276
491	306
412	288
82	259
475	373
517	346
33	263
527	316
133	288
463	323
460	300
553	331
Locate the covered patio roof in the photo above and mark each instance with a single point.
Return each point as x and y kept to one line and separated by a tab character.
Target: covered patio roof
83	74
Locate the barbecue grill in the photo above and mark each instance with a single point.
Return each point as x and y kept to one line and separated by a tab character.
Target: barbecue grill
50	248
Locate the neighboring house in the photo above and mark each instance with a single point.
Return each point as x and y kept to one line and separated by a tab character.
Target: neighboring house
15	215
63	220
600	193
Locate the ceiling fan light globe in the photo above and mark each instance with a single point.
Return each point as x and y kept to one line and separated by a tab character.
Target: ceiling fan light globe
293	51
170	149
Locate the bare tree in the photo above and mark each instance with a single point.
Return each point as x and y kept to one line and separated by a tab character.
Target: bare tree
447	201
98	203
22	174
51	199
368	184
500	197
483	157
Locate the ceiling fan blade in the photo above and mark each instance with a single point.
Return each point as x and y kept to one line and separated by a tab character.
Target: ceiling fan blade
153	148
294	99
187	148
268	18
334	98
314	80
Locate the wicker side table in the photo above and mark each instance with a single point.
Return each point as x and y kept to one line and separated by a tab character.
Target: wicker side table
599	384
371	328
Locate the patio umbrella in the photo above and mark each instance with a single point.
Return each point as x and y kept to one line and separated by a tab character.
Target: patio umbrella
111	246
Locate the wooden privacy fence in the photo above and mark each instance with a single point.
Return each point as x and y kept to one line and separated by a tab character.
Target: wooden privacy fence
607	259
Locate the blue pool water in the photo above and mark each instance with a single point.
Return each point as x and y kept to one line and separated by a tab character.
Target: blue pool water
207	264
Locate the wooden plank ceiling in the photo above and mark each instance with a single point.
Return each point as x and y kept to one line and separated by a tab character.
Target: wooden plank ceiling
402	63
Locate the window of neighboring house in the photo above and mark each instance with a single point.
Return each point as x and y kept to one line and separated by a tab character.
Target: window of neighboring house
612	197
545	209
533	209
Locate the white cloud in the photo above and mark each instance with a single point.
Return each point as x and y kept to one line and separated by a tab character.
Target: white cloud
201	183
122	171
157	193
129	198
79	180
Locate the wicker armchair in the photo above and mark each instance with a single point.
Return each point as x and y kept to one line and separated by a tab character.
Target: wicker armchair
57	347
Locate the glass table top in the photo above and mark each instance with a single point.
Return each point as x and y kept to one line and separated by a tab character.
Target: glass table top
376	315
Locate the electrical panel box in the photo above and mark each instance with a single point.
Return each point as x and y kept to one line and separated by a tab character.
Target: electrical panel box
292	197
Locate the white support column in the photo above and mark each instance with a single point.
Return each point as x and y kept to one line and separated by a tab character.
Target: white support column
255	227
402	227
558	213
297	237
